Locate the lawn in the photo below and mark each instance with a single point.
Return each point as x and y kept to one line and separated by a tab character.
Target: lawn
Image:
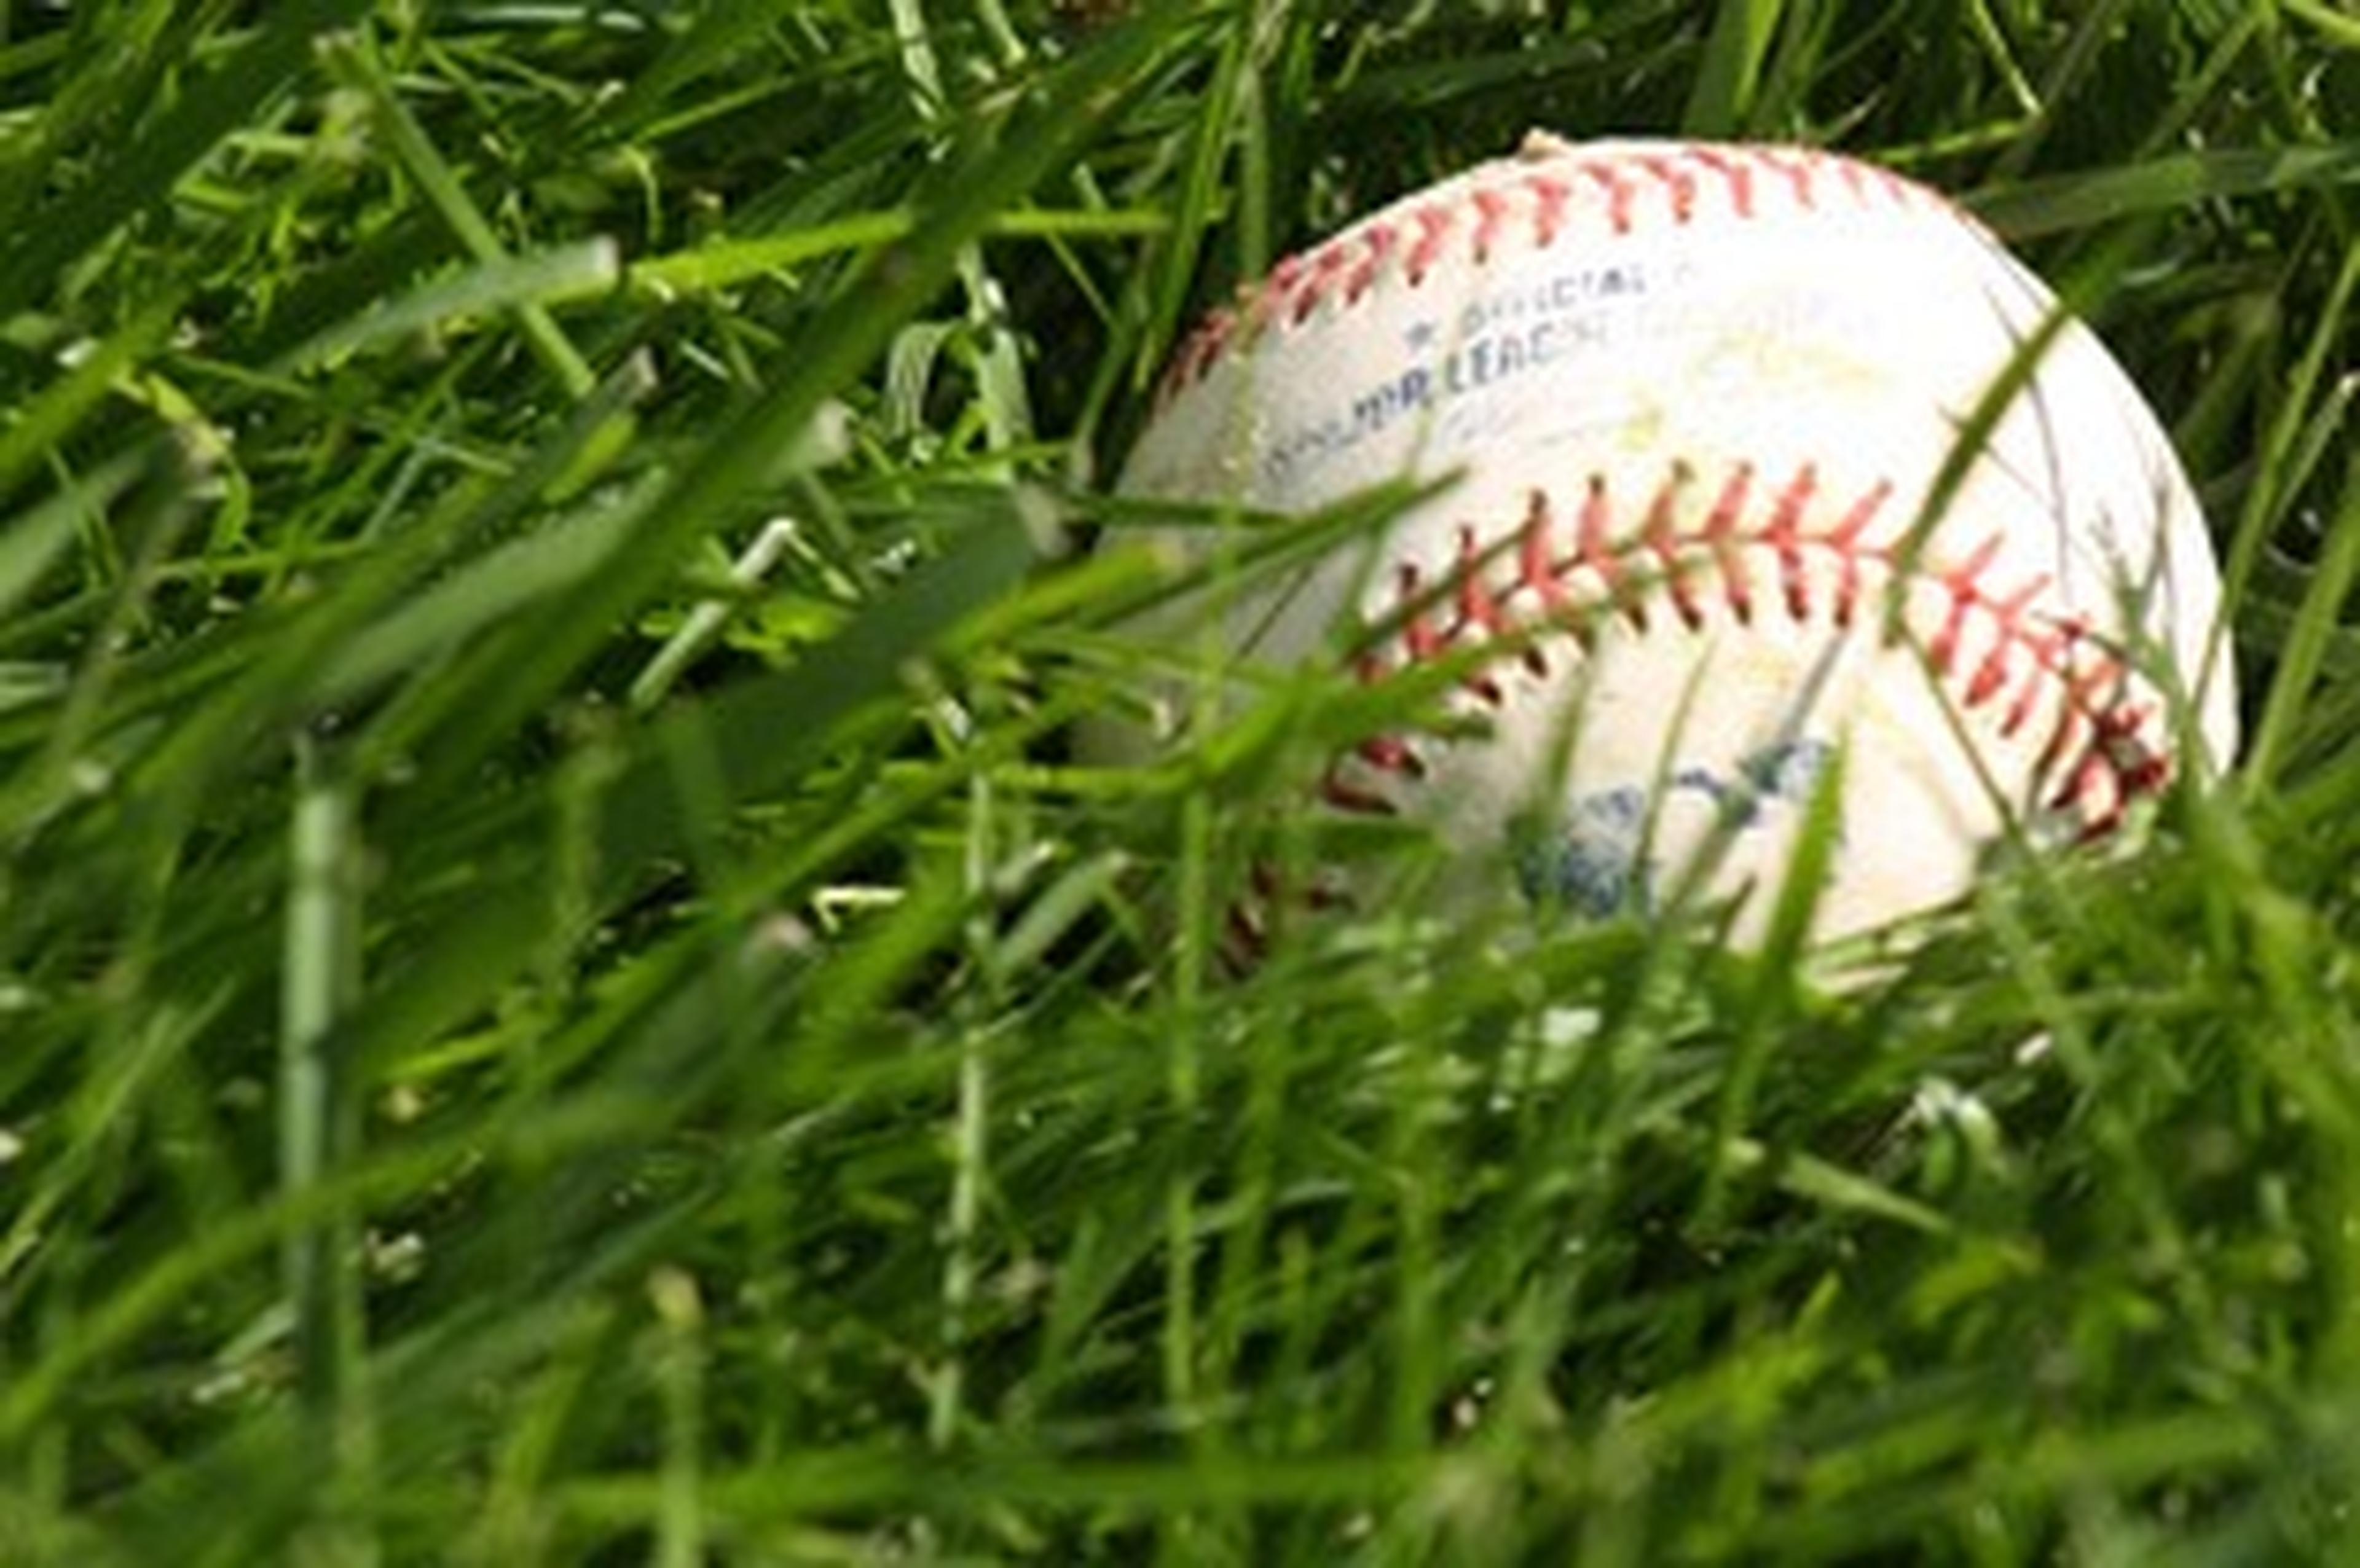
567	995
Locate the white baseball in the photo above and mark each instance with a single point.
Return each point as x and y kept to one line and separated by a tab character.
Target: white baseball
1697	398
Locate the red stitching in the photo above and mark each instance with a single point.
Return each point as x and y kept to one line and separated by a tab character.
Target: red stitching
1963	583
1377	243
1591	547
1846	540
1434	221
1991	675
1798	168
1785	538
1549	199
2098	758
1327	270
1679	181
1275	298
1533	205
1479	606
1902	192
1736	174
1490	211
1721	537
1609	177
1660	537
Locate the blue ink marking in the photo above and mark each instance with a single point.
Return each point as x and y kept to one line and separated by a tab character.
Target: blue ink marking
1591	864
1499	340
1789	770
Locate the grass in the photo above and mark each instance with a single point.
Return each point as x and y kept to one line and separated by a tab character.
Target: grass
563	997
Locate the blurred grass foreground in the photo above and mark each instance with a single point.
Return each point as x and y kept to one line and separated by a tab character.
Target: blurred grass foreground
565	999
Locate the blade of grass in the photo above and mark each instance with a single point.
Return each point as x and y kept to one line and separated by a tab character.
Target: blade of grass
521	283
318	1135
2277	467
761	733
2307	642
65	403
2341	29
679	1315
137	175
1781	959
1721	103
31	543
725	263
2029	207
354	60
899	280
2093	28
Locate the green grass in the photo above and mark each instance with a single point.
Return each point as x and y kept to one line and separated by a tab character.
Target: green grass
522	1041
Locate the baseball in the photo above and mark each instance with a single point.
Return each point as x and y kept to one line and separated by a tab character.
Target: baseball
1693	401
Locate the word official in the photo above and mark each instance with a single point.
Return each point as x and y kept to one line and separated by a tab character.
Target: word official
1497	340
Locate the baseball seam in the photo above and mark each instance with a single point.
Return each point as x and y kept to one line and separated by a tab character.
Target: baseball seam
1755	543
1537	201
